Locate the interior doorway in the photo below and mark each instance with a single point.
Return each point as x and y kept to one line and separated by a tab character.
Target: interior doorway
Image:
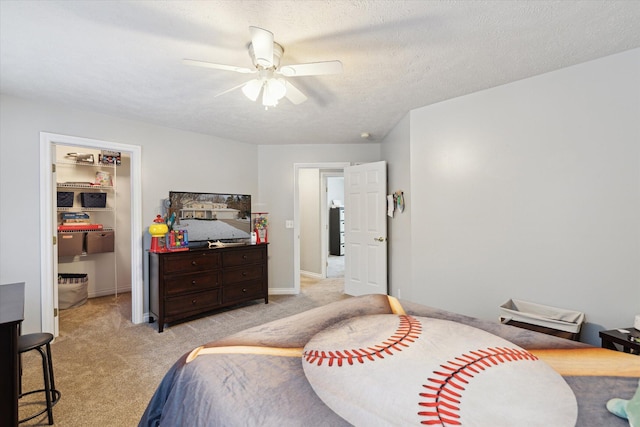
310	190
48	224
333	188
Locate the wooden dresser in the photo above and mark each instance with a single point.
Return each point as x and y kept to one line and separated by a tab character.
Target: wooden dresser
11	315
186	284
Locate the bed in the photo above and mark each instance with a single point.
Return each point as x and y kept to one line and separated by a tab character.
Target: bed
269	375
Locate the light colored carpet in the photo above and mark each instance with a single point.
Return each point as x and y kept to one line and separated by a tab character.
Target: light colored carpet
108	368
335	267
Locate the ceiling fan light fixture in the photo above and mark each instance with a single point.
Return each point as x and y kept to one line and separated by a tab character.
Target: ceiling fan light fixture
268	101
274	91
277	88
252	89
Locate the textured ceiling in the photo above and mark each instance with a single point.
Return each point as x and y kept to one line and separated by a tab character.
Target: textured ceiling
123	58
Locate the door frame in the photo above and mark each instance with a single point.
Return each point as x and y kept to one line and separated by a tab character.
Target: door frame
47	231
296	213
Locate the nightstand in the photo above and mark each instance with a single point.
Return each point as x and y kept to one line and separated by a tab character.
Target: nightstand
615	336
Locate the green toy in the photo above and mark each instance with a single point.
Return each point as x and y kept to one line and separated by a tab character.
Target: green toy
628	409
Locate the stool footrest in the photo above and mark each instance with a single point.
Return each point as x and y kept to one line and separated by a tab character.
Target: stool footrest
56	398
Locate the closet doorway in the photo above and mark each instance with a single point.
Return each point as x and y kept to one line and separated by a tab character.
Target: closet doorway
115	272
93	209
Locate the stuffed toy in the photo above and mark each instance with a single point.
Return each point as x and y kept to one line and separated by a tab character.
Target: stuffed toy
629	409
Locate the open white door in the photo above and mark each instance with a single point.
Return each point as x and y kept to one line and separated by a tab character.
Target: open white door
365	229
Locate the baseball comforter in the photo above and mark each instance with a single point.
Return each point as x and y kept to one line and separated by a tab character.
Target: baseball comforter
372	360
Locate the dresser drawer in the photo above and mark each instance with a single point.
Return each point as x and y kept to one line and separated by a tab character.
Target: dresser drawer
242	274
191	262
191	282
193	303
242	257
243	291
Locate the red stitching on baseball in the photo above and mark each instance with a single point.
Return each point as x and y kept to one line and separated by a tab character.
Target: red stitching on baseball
408	331
444	404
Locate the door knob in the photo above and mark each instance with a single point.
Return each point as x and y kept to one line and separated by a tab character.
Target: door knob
379	239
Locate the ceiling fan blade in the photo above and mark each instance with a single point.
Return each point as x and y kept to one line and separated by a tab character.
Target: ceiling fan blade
311	69
205	64
230	90
262	42
294	95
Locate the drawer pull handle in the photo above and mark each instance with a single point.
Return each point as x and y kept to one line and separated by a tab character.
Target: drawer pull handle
193	301
194	263
244	290
244	257
193	282
244	273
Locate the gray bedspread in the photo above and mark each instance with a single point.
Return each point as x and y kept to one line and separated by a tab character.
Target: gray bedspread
264	390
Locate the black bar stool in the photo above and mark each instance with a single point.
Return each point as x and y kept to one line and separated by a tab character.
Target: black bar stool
37	341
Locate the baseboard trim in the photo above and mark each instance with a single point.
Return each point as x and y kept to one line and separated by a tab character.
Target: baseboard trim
318	276
108	292
282	291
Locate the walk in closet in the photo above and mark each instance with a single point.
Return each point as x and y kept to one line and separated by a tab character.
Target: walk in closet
93	236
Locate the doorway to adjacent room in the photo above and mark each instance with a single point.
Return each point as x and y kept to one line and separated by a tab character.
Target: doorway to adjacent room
312	262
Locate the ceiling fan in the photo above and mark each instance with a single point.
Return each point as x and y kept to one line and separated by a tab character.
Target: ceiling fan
265	55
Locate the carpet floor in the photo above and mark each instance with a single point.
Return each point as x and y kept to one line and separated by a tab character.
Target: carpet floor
107	368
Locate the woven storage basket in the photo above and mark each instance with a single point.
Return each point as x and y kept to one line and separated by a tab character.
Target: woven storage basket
72	290
65	199
93	200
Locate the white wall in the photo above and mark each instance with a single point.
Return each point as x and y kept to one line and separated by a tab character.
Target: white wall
396	151
532	190
171	160
276	180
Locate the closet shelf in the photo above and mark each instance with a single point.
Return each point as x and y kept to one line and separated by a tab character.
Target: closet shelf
79	163
81	230
80	185
81	209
